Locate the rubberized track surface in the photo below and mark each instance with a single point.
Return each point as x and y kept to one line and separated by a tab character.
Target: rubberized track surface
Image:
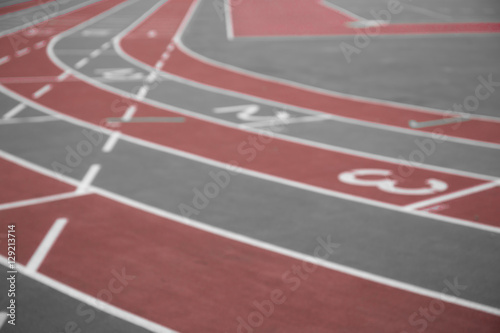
161	179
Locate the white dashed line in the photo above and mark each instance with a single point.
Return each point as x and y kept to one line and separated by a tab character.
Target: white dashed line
159	64
152	33
151	77
63	76
170	47
105	46
165	55
88	178
112	140
23	52
4	60
95	53
142	93
3	318
40	44
130	112
42	91
18	108
44	248
81	63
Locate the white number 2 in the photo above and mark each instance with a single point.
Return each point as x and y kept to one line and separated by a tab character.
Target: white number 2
389	185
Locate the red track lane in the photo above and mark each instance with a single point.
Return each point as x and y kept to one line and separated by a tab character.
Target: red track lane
23	5
21	184
281	158
193	281
148	50
309	17
481	207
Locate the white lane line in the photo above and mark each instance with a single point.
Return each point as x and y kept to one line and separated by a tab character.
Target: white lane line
228	17
40	44
3	318
14	111
81	63
90	300
165	55
95	53
112	140
63	76
343	11
130	112
88	178
4	60
23	52
159	64
143	91
170	47
152	33
36	201
42	91
44	248
106	45
450	196
263	245
151	77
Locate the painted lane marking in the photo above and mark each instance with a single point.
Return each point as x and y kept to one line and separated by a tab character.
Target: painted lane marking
438	122
247	113
152	33
36	201
95	53
4	60
264	245
450	196
111	142
40	44
129	113
47	243
141	94
3	318
42	91
23	52
386	184
152	77
64	75
159	64
88	178
81	63
14	111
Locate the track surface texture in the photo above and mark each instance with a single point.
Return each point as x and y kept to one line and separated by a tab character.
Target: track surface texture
216	166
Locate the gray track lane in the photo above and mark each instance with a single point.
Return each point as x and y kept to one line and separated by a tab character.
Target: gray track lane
408	248
42	309
36	15
436	152
431	71
427	10
390	144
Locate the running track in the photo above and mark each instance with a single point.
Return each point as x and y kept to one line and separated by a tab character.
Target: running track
249	269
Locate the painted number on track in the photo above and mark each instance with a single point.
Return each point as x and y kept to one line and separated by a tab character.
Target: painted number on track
388	185
248	113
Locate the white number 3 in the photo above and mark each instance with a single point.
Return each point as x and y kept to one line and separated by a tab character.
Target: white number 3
389	185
